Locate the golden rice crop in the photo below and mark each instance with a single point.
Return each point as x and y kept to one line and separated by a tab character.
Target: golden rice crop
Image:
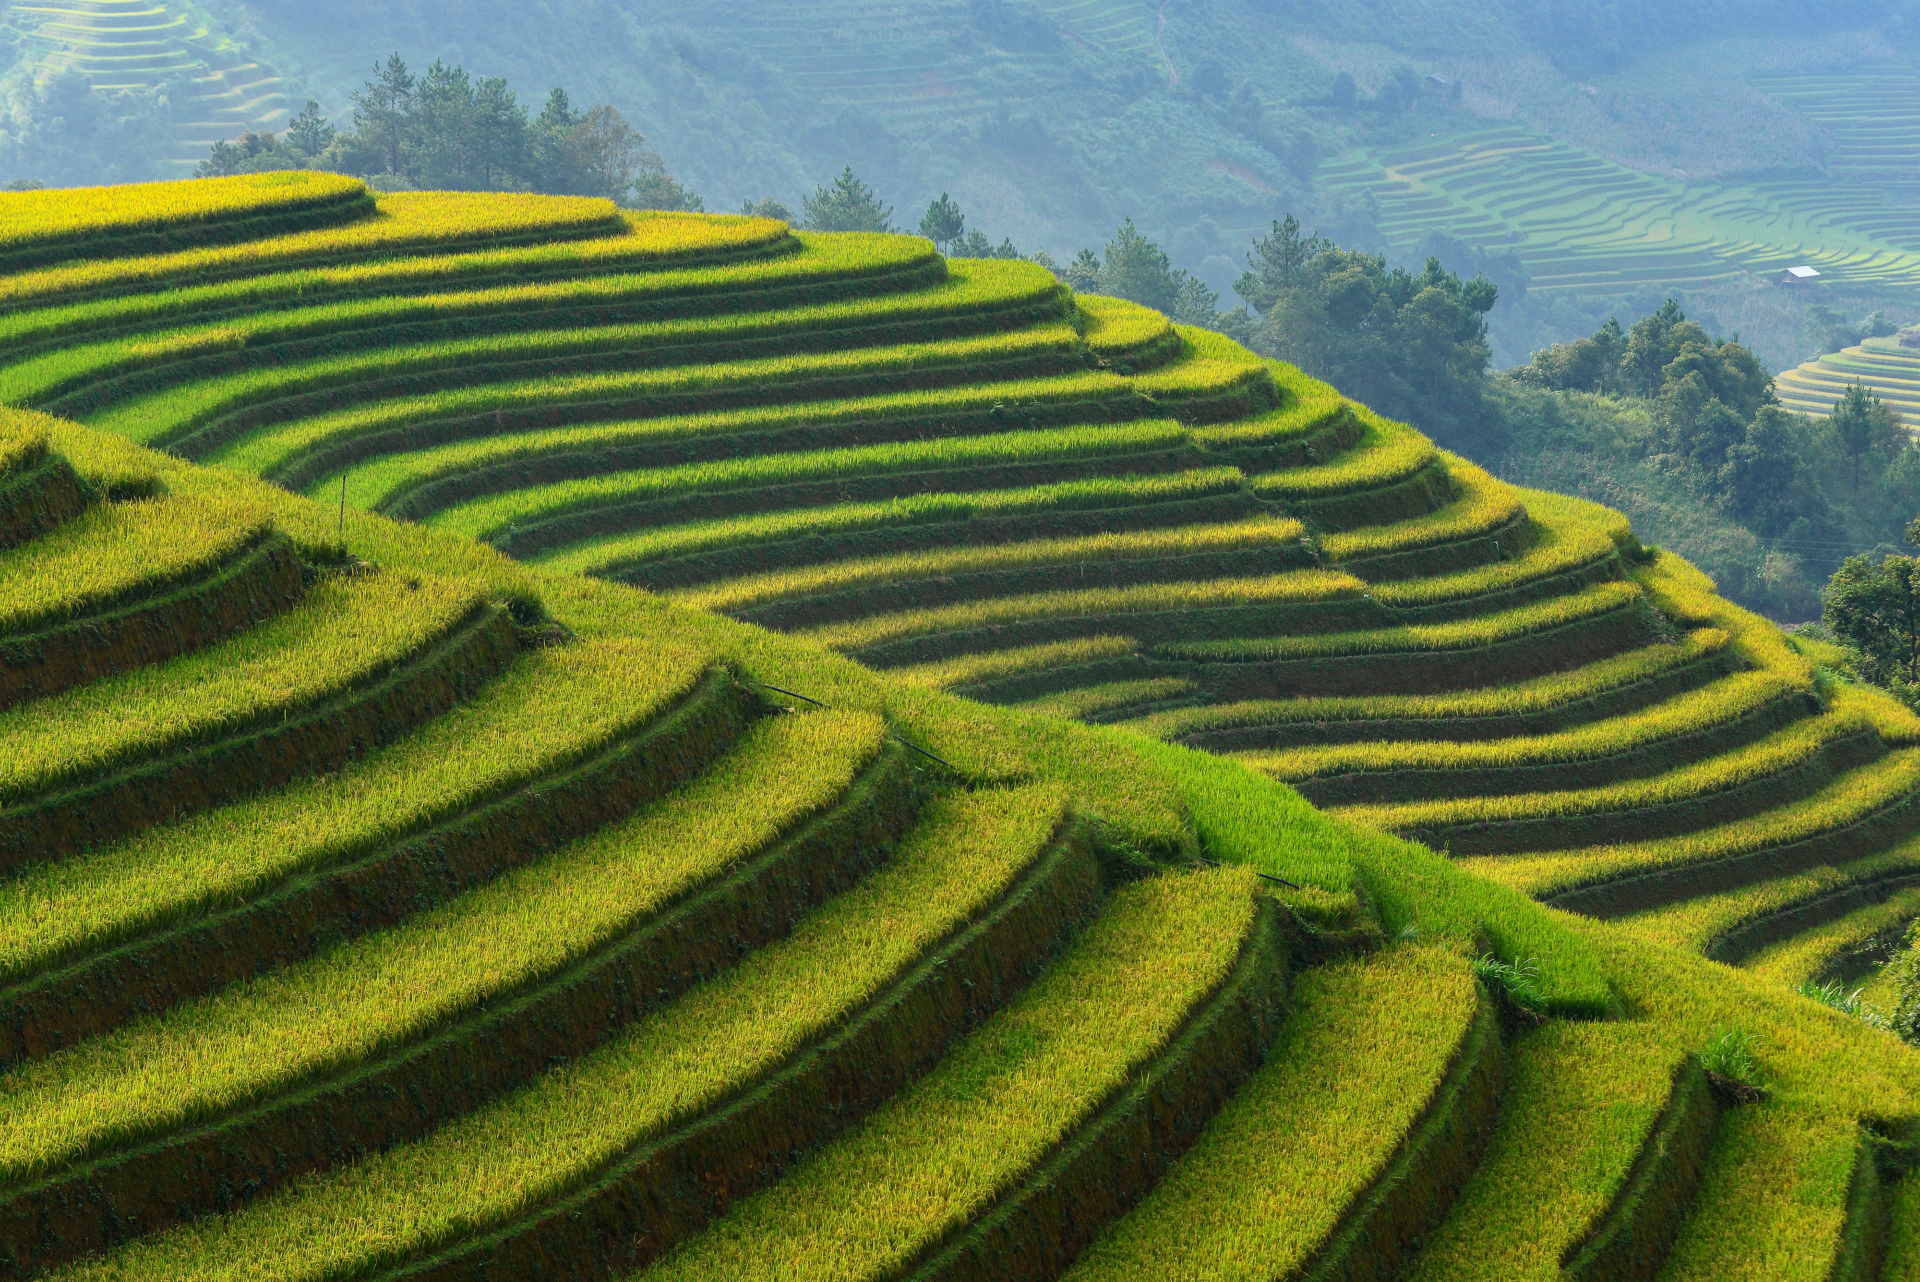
1301	586
482	517
619	550
1188	540
379	481
1726	700
1559	547
1209	362
342	632
1782	750
34	380
504	1160
1386	452
29	218
116	550
938	1154
1540	694
966	669
1846	800
1601	598
21	443
1795	961
172	411
1088	701
546	231
473	240
1114	326
380	991
554	706
1580	1101
1481	504
1365	1046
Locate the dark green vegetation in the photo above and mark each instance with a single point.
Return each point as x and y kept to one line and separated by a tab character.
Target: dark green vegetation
455	913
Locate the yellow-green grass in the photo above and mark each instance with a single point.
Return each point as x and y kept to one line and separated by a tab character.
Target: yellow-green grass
21	444
30	219
1804	957
968	669
1467	634
268	450
1727	700
1296	587
1687	597
1481	505
1580	1101
1386	452
1307	405
117	551
167	414
1365	1046
1847	799
371	994
943	1151
443	234
1523	698
622	551
1560	546
1244	817
1114	326
1696	923
509	1158
485	517
1773	1205
345	631
1093	701
1780	751
1207	360
545	308
1189	540
1903	1241
555	706
375	485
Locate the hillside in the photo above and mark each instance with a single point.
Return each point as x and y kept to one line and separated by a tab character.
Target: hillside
1550	148
397	892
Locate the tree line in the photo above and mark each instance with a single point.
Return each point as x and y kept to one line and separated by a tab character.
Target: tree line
445	130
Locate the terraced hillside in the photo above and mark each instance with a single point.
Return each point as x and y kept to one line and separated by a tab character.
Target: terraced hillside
1881	365
148	44
1585	225
414	898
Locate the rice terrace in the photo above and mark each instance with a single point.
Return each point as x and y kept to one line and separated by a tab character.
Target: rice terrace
549	741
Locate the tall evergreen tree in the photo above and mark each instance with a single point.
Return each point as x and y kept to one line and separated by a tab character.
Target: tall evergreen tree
848	205
383	111
943	223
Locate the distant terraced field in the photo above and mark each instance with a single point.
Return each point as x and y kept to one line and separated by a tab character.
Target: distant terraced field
396	892
1584	225
146	44
1882	366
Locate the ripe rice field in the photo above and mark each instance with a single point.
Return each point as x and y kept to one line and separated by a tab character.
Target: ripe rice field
848	809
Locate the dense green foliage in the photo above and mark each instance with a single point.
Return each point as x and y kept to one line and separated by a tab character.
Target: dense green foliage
445	130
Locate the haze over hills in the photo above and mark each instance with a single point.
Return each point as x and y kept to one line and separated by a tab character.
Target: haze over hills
1051	122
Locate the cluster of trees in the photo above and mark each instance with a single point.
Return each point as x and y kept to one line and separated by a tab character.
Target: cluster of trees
1413	346
1704	414
1831	331
445	130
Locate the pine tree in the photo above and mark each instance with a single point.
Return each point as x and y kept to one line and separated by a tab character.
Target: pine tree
309	131
943	222
383	111
848	205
